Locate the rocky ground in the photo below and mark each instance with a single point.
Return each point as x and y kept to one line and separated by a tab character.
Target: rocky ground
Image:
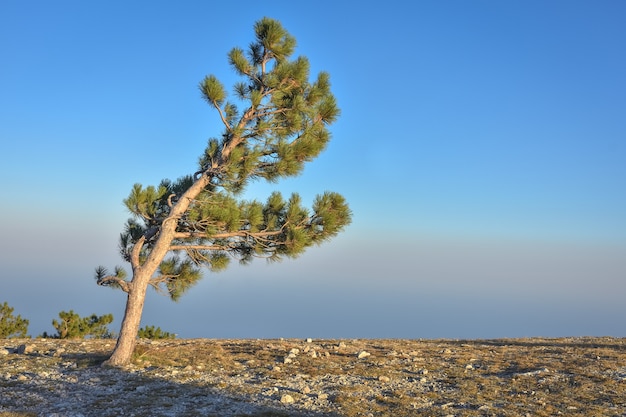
513	377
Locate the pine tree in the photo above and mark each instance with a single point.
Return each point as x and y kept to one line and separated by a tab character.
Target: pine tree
151	332
72	326
10	325
276	122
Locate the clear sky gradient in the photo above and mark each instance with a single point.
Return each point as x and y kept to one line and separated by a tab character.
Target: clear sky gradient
482	147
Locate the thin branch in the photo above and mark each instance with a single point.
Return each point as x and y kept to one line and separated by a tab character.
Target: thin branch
200	247
134	255
219	110
239	233
169	200
113	280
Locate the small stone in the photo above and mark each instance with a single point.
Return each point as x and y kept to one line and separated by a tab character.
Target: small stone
294	351
383	378
469	366
305	390
341	345
322	396
58	352
24	349
363	354
287	360
424	371
22	378
287	399
309	340
3	352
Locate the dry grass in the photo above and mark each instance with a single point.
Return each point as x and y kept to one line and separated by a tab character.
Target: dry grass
512	377
537	377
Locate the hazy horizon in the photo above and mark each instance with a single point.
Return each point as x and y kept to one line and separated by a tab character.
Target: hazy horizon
481	147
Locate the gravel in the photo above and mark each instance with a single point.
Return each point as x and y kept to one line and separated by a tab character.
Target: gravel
53	378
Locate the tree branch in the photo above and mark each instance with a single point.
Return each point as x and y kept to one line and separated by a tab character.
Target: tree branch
239	233
134	255
113	280
219	110
200	247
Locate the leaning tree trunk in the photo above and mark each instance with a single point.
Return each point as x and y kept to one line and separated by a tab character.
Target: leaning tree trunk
127	338
143	272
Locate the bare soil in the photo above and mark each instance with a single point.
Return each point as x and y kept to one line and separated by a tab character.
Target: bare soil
202	377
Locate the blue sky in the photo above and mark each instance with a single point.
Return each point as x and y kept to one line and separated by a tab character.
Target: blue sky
482	147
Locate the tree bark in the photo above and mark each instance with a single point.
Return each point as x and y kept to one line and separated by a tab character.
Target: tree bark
122	354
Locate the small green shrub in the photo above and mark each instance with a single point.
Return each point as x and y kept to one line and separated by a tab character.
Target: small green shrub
72	326
10	325
150	332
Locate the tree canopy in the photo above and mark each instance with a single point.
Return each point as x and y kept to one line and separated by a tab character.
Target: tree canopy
275	121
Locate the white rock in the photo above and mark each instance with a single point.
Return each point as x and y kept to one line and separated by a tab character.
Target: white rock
383	378
287	399
363	354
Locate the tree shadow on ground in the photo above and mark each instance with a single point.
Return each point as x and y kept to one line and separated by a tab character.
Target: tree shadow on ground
81	387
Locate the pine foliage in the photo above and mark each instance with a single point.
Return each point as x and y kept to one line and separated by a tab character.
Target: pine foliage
71	326
10	325
154	333
275	121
